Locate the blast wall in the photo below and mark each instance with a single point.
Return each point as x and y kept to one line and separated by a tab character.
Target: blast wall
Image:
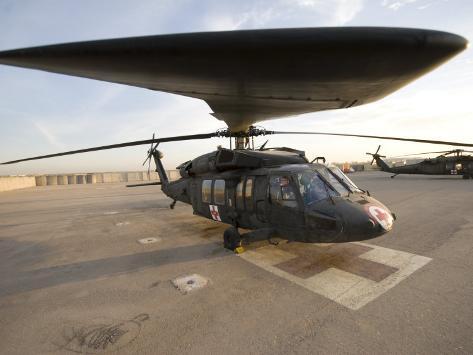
19	182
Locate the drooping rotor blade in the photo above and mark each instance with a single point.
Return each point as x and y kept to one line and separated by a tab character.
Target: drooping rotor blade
430	141
249	76
119	145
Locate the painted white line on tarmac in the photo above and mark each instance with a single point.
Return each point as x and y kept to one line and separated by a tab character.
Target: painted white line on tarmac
348	275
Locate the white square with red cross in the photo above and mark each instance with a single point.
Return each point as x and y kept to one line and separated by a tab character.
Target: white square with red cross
214	213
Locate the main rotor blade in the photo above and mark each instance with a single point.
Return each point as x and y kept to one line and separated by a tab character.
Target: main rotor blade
119	145
410	155
445	152
459	144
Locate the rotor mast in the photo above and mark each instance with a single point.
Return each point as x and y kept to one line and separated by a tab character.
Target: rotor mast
241	142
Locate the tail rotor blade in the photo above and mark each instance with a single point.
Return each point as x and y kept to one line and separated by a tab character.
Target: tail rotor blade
148	157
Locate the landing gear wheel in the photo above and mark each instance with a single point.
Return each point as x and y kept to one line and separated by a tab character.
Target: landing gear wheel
231	238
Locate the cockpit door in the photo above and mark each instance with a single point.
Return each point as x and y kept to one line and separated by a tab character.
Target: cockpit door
285	205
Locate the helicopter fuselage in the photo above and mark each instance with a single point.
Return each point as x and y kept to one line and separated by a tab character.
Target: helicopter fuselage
442	165
279	193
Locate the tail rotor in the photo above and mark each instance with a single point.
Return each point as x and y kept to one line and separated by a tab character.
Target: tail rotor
376	155
150	153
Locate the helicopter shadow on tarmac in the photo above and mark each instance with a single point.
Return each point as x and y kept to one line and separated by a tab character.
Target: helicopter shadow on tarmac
28	280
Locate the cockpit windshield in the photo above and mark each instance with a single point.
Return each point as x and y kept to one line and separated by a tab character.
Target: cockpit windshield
330	177
350	184
313	188
321	183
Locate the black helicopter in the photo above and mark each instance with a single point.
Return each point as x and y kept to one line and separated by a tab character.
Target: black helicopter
255	75
450	162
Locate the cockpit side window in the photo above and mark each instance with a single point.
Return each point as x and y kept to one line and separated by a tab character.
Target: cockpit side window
282	192
239	195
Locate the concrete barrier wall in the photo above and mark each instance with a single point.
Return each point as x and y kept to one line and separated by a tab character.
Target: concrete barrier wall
18	182
62	180
41	180
8	183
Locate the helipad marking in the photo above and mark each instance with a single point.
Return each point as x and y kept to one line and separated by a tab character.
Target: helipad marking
351	274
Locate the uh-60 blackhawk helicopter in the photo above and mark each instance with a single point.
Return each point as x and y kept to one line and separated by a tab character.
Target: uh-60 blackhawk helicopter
251	76
449	162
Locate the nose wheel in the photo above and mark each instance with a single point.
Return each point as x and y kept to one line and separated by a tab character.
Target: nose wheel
231	239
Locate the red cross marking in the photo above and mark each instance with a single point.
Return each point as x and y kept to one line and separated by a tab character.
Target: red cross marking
313	259
214	213
381	215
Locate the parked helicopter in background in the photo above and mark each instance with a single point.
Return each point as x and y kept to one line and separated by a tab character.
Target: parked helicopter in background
449	162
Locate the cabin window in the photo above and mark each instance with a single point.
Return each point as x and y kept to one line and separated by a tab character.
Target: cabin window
458	166
249	194
282	192
219	192
206	191
239	195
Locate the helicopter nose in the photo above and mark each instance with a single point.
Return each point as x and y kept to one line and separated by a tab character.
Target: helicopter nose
363	227
367	222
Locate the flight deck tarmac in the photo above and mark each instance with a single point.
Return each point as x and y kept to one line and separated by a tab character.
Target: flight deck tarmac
90	269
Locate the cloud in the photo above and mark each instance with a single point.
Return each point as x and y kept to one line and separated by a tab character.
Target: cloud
396	4
338	12
282	13
47	134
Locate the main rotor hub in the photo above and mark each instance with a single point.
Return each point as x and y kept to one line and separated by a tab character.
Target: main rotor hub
252	131
242	138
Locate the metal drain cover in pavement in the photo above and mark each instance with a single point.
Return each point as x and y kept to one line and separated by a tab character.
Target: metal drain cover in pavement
190	283
148	240
121	224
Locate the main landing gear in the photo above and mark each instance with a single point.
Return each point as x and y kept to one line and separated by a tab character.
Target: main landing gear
232	239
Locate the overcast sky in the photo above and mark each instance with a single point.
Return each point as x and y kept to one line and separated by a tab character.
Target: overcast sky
42	113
